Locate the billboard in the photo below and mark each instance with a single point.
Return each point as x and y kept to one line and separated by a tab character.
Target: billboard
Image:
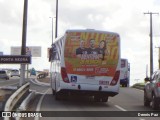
92	53
34	51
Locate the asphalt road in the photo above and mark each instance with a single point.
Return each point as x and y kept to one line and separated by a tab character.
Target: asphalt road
13	81
129	99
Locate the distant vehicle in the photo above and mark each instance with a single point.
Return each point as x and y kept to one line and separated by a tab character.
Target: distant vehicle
3	75
152	91
32	71
125	73
86	62
14	72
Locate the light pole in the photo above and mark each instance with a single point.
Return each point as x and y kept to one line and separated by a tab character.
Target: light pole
52	29
151	43
56	26
24	36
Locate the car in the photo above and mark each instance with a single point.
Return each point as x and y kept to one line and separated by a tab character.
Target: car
3	75
152	91
14	72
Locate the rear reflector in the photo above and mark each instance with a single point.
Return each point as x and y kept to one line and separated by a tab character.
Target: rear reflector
64	75
115	78
158	84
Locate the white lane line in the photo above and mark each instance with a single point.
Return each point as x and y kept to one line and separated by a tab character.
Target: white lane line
120	108
39	104
142	119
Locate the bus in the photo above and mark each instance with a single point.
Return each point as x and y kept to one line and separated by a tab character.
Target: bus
125	73
86	62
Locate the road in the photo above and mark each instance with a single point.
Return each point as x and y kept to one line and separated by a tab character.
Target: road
13	81
129	99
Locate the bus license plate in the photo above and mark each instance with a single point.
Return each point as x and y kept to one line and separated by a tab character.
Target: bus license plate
103	82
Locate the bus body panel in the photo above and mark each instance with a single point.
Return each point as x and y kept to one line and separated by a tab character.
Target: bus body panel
92	70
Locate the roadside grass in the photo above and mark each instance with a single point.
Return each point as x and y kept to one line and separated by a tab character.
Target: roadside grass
139	85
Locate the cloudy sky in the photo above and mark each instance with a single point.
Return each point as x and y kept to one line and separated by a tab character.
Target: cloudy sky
125	17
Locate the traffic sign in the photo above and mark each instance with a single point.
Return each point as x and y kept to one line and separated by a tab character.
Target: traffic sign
15	59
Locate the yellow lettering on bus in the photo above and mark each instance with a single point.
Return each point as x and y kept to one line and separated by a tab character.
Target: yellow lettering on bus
84	36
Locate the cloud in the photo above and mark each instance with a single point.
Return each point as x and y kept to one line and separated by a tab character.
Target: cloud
11	12
124	17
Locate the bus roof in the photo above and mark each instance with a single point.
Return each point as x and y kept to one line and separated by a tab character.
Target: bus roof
90	30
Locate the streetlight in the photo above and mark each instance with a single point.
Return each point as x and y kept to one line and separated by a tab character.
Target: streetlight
56	26
24	36
52	29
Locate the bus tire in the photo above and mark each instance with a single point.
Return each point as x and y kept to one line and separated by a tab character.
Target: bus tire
57	96
97	99
105	99
53	92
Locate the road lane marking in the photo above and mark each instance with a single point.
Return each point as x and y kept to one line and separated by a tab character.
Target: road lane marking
120	108
39	104
140	90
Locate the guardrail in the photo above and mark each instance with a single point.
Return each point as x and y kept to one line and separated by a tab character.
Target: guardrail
15	97
26	101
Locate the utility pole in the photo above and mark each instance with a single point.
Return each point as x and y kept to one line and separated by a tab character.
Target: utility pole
146	71
56	26
151	43
52	29
24	36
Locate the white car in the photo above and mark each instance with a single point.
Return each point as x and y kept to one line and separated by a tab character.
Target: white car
14	72
3	75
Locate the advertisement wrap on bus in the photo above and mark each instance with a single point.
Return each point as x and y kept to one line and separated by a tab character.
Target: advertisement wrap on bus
91	54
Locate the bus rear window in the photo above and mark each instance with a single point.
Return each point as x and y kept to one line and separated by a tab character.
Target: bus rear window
123	63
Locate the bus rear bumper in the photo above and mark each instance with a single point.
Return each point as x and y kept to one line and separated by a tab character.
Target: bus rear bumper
87	92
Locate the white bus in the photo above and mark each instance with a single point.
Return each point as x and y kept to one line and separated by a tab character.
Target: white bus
86	62
125	73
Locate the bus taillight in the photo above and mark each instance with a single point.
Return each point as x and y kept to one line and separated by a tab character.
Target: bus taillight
115	78
158	84
64	75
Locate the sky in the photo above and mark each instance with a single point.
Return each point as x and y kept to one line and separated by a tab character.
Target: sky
125	17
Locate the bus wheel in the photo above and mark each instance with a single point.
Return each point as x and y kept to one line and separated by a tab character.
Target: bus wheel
57	96
97	99
53	92
105	99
